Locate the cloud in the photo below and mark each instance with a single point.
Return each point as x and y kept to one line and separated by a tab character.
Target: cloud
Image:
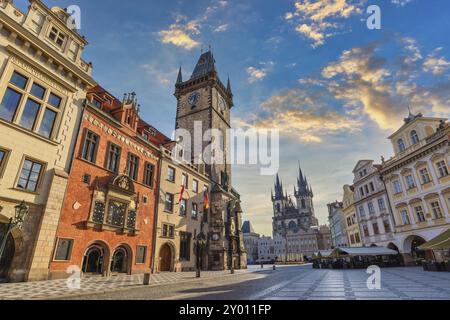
178	36
434	64
162	77
303	115
318	20
360	85
382	89
183	31
255	74
221	28
401	3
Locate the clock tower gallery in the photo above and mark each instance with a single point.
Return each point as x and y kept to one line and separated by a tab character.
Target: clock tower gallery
203	103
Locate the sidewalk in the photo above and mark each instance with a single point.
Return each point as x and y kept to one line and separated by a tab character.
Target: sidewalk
53	289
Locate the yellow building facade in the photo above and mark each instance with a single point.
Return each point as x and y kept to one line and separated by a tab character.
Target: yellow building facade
42	88
351	219
418	182
182	214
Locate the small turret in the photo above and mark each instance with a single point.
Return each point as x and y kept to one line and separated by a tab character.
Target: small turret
180	77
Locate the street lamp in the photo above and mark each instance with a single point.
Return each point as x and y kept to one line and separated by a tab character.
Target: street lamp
199	246
21	210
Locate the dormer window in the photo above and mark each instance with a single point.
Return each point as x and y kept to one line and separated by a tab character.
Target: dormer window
97	103
57	36
414	137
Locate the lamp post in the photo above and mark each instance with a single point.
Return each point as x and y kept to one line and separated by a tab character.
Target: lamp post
199	246
21	210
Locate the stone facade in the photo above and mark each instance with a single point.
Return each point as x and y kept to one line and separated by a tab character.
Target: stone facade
204	103
418	183
40	57
251	239
296	223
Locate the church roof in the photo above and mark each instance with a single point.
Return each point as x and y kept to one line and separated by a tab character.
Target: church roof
247	227
205	65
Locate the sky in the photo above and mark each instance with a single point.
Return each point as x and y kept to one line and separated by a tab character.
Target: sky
313	69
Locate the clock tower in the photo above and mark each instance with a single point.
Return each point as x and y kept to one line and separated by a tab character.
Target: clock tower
205	103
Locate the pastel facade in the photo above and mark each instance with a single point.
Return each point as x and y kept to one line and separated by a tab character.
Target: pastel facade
418	182
372	205
351	218
181	220
337	224
42	88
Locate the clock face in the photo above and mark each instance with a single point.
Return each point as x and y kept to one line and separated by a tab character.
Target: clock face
215	236
194	98
222	103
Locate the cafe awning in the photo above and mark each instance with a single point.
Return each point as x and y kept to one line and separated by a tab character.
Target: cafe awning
365	251
322	254
442	241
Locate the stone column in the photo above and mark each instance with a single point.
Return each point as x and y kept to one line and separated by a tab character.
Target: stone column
45	240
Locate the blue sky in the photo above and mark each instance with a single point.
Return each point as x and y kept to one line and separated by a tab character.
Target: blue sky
311	68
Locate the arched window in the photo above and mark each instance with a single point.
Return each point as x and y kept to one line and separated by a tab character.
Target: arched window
414	137
278	207
303	203
292	225
401	145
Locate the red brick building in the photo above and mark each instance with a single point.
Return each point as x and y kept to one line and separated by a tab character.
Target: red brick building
107	221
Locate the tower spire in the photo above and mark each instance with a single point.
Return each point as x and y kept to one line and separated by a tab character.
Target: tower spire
180	76
229	85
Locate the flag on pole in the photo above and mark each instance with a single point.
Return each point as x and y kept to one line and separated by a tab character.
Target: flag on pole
181	193
206	199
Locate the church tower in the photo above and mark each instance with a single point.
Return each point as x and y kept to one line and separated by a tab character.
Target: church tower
204	105
304	197
278	198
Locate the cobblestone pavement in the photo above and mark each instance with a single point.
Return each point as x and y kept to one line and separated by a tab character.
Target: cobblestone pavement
396	284
286	283
96	285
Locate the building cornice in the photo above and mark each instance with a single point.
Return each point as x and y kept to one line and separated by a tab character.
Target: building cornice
17	28
398	164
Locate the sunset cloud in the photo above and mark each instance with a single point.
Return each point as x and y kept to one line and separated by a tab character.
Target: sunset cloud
178	36
436	64
318	20
183	31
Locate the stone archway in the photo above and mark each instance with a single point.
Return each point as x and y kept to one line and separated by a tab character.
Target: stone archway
121	260
96	258
392	246
411	245
11	254
166	255
7	256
